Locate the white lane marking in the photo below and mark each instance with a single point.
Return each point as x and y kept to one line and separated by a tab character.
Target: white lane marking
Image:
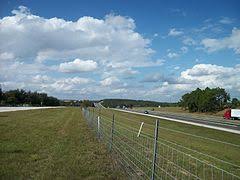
182	121
206	121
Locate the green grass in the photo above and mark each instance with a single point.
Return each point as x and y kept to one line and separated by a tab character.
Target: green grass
52	143
180	110
218	150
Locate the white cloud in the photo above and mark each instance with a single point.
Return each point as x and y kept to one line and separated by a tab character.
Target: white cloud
6	56
199	76
41	79
67	84
189	41
44	83
111	46
231	42
78	65
172	55
226	20
174	32
112	39
176	68
214	76
109	81
33	49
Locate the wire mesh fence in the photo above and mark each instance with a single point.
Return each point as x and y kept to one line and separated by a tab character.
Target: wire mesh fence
145	156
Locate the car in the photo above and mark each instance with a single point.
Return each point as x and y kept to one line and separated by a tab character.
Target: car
146	112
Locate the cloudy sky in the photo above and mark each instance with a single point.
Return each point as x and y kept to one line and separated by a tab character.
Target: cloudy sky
152	50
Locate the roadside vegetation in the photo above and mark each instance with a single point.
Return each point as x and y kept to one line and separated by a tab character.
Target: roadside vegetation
114	103
200	101
209	145
52	144
20	97
180	110
207	100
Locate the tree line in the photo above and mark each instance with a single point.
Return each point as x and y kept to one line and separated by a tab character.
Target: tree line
113	103
208	100
20	97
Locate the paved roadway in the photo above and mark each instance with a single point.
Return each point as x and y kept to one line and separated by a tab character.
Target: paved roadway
7	109
211	122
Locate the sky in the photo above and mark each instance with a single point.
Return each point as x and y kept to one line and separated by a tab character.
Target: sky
150	50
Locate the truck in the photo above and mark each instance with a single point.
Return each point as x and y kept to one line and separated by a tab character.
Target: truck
232	114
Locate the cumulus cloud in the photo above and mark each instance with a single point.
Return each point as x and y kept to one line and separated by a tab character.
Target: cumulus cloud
188	41
6	56
176	68
230	42
34	49
174	32
172	55
109	81
213	76
111	39
67	84
78	65
158	77
199	76
153	78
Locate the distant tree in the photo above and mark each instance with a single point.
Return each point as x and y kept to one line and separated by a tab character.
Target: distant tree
207	100
235	103
21	97
1	94
51	101
86	103
113	103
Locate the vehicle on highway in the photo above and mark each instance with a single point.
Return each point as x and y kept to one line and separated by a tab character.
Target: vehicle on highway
232	114
146	112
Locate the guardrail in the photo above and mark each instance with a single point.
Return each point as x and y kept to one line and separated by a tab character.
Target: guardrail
144	156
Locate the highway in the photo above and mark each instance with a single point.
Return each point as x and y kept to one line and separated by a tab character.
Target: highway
217	123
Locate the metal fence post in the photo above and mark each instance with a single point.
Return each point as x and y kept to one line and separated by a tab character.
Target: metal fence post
98	126
112	132
93	118
155	150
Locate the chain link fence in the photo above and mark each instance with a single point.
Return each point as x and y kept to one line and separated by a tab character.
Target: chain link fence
144	156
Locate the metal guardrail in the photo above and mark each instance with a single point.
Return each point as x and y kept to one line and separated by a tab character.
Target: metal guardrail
146	157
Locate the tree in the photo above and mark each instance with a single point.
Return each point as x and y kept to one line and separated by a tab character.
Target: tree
1	94
21	97
86	103
207	100
235	103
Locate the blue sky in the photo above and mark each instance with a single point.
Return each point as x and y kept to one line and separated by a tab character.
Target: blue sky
154	50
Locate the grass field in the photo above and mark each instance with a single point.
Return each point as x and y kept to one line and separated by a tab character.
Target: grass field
52	143
179	110
211	146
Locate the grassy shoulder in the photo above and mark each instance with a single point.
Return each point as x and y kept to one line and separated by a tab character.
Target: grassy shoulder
180	110
52	143
209	150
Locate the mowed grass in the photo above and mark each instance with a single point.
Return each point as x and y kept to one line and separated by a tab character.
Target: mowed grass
201	148
180	110
52	143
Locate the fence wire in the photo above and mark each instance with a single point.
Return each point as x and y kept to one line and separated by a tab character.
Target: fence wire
136	154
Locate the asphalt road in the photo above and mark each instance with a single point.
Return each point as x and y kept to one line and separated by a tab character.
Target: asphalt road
8	109
212	121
